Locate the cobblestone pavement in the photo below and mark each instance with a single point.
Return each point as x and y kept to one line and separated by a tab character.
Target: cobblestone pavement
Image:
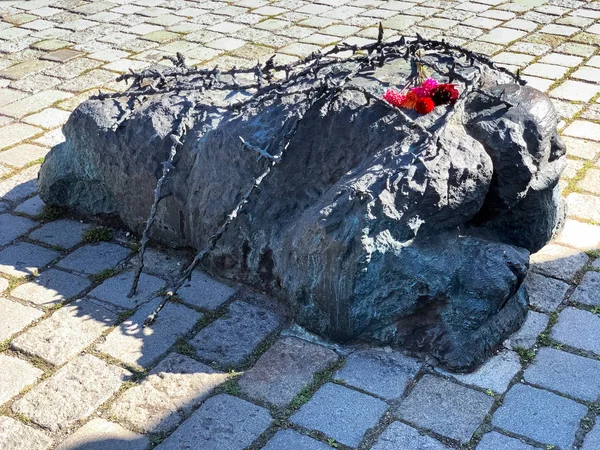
219	370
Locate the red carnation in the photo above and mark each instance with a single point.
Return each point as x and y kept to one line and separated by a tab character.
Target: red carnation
394	98
444	94
424	105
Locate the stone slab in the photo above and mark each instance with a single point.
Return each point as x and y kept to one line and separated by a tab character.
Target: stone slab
401	436
3	284
564	372
12	227
63	233
21	155
50	287
71	394
20	186
526	337
497	441
577	328
100	434
32	207
540	415
446	408
204	292
588	291
15	317
290	439
381	373
340	413
232	338
558	261
15	375
15	435
140	346
115	290
285	369
592	440
172	390
223	422
66	332
545	293
94	258
23	258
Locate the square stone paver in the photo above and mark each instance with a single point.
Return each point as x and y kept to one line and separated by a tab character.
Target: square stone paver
285	369
204	292
15	375
94	258
140	346
381	373
22	155
540	415
115	290
577	328
583	236
575	90
66	332
23	258
588	291
12	227
545	293
558	261
400	436
495	374
100	434
497	441
340	413
527	335
232	338
51	287
32	207
446	408
20	186
570	374
63	233
62	55
173	389
71	394
15	435
15	317
290	439
592	440
223	422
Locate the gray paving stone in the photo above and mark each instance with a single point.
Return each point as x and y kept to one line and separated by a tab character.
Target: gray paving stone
223	422
583	236
545	293
495	374
23	154
446	408
63	233
3	284
340	413
173	389
588	291
66	332
15	317
592	440
400	436
232	338
100	434
163	264
540	415
12	227
526	337
15	375
290	439
14	435
285	369
577	328
385	374
23	258
558	261
204	292
115	290
564	372
497	441
140	346
71	394
32	207
51	287
94	258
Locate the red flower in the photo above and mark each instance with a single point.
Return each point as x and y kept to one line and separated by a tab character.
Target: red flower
393	98
444	94
424	105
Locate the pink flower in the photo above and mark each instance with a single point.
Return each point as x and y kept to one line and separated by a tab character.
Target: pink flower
394	98
426	87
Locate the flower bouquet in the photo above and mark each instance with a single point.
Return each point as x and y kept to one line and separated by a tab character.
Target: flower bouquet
423	98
